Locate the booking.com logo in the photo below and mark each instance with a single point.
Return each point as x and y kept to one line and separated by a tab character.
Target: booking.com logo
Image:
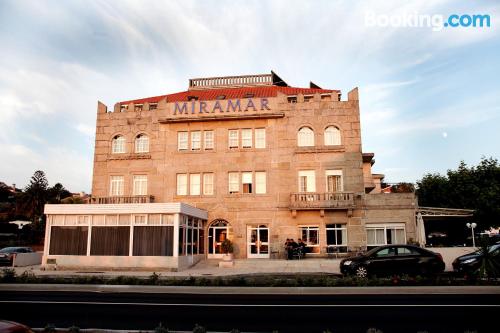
437	22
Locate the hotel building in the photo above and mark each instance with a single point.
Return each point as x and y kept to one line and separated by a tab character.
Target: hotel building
248	158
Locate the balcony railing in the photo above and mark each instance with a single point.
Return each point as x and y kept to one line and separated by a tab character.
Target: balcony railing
122	199
312	200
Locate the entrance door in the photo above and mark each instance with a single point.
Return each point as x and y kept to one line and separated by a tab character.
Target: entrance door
217	233
258	241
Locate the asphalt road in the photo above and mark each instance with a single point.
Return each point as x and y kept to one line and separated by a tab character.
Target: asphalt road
255	310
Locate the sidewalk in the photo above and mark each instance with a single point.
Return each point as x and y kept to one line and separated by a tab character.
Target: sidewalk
211	268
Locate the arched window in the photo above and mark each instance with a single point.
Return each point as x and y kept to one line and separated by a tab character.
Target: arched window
142	143
118	145
305	137
332	136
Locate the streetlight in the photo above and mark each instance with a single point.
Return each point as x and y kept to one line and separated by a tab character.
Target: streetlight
472	226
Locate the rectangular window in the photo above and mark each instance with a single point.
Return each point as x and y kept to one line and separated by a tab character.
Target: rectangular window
209	140
208	183
83	219
310	236
182	184
246	180
234	183
139	219
260	138
194	184
68	240
116	186
153	106
196	140
307	181
140	185
260	182
385	234
153	241
233	139
336	237
182	140
110	241
334	181
246	138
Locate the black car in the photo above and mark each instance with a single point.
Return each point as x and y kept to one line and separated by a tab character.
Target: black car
470	264
393	260
7	254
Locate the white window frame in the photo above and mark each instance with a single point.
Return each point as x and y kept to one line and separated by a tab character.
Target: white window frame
196	140
334	173
308	228
194	184
247	178
142	143
140	185
234	182
336	227
116	186
260	182
385	227
233	138
310	181
208	140
332	136
182	140
260	138
140	219
182	180
246	138
208	184
305	137
118	145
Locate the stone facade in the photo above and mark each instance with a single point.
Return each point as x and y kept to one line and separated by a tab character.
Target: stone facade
285	111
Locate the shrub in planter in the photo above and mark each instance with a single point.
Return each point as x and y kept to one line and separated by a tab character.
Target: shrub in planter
227	249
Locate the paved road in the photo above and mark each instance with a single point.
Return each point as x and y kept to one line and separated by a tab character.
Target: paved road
285	309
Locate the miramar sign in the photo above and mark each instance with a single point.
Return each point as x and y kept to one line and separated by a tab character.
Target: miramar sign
221	106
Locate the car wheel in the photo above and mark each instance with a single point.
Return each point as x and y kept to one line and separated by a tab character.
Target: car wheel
361	272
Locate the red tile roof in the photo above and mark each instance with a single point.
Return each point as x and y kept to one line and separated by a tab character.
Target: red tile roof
230	93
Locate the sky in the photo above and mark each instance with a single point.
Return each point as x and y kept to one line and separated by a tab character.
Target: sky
428	99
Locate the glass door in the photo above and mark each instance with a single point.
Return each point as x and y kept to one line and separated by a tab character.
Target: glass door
258	241
217	233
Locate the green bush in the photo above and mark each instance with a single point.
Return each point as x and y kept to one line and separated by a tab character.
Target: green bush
199	329
9	275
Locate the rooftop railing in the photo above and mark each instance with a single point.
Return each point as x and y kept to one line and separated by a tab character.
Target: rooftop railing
313	200
122	199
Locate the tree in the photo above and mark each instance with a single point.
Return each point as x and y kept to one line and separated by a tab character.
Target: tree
35	195
475	187
57	193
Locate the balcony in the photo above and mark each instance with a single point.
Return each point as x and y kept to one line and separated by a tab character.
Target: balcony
312	200
122	199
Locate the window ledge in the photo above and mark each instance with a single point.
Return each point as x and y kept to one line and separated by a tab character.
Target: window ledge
320	149
133	156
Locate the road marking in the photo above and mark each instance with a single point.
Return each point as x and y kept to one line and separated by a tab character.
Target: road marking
253	305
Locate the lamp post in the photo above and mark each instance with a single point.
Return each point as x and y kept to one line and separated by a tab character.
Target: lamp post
472	226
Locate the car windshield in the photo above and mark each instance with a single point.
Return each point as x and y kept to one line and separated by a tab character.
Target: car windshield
8	249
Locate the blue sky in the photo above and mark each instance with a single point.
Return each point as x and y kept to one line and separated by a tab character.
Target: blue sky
428	98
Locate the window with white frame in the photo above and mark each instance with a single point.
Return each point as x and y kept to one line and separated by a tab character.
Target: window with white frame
194	184
305	137
182	140
246	180
116	186
307	181
233	139
208	140
234	182
382	234
208	184
195	140
139	219
260	138
140	186
83	219
310	236
333	181
336	236
332	136
181	184
260	182
118	145
246	138
142	143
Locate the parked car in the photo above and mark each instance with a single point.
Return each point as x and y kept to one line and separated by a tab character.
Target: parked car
470	263
7	254
393	259
13	327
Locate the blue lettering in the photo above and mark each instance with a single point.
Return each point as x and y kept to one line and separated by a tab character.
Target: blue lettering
233	106
180	110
